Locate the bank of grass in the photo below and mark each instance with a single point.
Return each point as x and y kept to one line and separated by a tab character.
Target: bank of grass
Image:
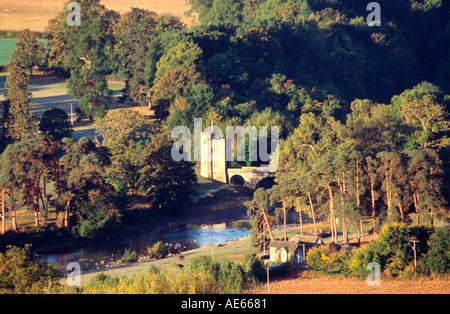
233	251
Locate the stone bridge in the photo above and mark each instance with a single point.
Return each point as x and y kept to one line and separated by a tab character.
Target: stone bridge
214	166
252	177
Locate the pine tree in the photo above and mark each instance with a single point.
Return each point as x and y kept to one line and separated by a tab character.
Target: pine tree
370	167
393	174
29	51
324	172
19	120
258	210
425	181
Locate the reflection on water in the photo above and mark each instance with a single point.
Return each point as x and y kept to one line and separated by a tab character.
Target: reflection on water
99	255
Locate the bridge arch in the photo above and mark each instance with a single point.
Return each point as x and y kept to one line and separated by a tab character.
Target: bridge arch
237	180
265	183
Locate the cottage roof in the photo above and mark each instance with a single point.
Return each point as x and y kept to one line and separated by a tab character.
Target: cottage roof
287	245
313	240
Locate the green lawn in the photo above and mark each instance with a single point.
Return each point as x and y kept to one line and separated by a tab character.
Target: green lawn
6	48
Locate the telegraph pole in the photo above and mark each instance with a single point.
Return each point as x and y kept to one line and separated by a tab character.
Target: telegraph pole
71	113
415	256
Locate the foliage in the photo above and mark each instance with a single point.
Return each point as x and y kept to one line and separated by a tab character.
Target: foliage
328	260
168	184
228	277
55	124
203	276
128	257
254	266
21	273
126	133
423	108
158	250
437	260
261	221
17	105
29	51
392	251
86	58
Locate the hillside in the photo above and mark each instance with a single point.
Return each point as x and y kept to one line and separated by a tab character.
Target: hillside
17	15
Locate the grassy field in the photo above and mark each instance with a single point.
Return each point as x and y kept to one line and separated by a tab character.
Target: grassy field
17	15
6	48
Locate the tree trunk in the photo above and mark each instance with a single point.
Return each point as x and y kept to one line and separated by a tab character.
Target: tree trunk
300	216
3	213
333	221
36	211
284	221
400	208
361	228
66	215
312	213
13	217
267	223
358	201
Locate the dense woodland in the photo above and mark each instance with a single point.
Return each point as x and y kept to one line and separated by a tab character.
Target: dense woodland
363	111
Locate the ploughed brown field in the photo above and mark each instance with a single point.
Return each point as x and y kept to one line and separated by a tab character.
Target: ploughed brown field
18	15
327	285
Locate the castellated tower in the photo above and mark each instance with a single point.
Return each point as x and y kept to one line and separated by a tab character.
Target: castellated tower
213	154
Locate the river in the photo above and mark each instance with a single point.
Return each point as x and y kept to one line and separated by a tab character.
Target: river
104	254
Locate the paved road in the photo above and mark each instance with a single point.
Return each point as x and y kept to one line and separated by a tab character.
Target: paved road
50	92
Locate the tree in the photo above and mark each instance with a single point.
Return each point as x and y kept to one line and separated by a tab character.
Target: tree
307	143
282	193
392	172
133	34
184	55
9	186
29	51
172	86
425	181
19	121
87	58
258	210
87	83
423	108
22	273
169	184
87	195
56	46
23	168
323	171
370	168
438	256
55	124
196	102
126	133
373	128
216	11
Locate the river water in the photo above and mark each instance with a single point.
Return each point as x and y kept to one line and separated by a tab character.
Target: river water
105	254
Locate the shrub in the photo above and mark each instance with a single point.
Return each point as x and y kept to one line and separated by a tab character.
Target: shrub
21	273
254	267
128	257
362	257
438	256
392	250
229	277
201	277
326	259
158	250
